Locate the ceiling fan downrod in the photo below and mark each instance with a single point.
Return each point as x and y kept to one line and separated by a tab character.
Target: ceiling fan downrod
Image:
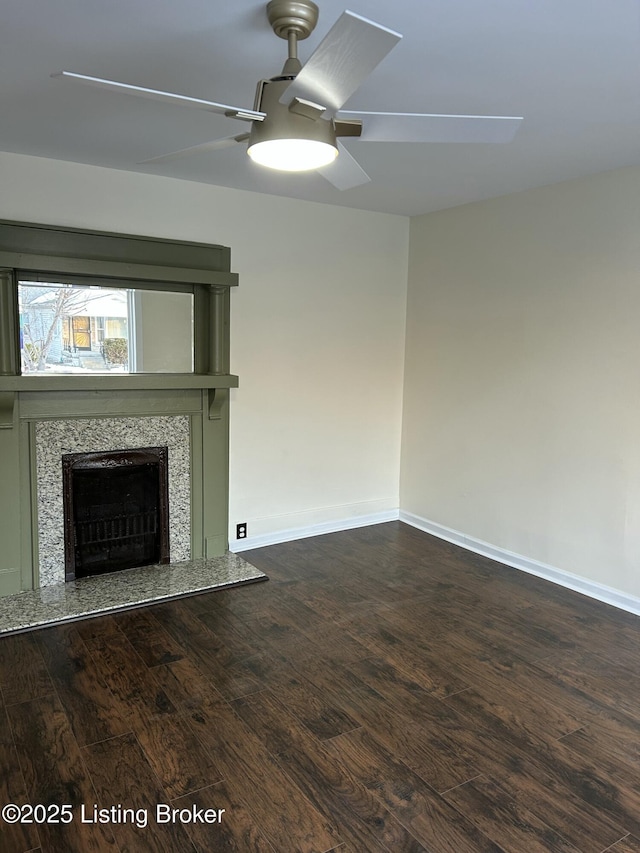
292	20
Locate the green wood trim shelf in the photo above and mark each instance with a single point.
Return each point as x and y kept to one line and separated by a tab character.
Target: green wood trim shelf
10	386
122	382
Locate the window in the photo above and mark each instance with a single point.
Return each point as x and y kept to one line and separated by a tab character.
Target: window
70	328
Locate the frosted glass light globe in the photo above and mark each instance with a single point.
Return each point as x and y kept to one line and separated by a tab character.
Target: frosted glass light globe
292	155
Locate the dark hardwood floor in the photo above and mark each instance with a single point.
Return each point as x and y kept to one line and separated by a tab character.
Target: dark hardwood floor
384	691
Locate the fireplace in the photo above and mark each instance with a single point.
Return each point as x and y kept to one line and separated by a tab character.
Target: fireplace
55	440
62	407
116	510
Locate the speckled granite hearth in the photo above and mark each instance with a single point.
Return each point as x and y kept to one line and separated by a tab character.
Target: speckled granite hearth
64	602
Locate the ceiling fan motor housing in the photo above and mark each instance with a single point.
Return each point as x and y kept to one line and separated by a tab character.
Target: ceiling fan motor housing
282	123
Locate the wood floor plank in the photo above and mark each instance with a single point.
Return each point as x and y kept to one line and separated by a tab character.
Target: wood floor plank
251	774
225	641
421	730
293	628
359	817
554	688
506	821
137	692
230	635
23	674
211	656
473	650
87	700
614	633
612	684
95	632
428	816
490	665
55	773
237	831
489	674
534	771
154	645
423	665
462	616
122	777
176	755
627	845
185	684
604	778
14	837
324	718
329	602
614	736
241	601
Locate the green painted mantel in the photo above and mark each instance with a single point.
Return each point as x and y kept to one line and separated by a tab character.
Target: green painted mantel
117	260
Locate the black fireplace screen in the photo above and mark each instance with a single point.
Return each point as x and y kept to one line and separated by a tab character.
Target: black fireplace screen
116	510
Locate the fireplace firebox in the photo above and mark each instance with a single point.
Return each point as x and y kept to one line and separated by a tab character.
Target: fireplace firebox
116	510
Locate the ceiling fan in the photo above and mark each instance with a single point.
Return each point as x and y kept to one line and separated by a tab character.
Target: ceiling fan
297	118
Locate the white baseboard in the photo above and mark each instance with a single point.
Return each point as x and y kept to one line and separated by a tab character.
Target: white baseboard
290	535
589	588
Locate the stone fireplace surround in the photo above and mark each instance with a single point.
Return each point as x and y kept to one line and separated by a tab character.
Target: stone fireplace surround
56	437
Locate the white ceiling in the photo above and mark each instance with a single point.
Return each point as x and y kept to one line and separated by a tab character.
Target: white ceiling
570	67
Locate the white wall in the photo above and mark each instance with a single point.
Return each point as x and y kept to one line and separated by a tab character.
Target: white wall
317	329
522	381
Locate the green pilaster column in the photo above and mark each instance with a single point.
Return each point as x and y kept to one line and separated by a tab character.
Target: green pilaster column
9	343
219	340
10	504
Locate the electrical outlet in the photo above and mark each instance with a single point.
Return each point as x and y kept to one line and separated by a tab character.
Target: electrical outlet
241	530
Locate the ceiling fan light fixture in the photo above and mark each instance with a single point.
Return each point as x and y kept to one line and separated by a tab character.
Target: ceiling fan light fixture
292	155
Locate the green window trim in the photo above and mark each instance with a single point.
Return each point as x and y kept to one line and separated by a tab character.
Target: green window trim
40	251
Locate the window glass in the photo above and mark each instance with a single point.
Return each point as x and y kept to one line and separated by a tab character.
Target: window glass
80	328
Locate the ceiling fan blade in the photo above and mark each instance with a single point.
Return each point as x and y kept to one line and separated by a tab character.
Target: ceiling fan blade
167	97
213	145
424	127
345	172
344	58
